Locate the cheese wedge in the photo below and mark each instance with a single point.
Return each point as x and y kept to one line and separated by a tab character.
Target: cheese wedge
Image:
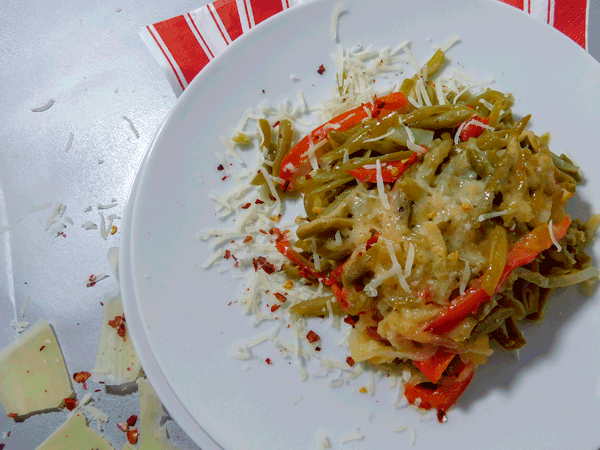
75	434
33	374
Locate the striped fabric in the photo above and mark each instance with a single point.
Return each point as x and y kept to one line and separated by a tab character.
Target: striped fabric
183	45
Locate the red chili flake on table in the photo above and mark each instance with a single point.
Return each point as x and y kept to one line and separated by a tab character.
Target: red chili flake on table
220	167
71	403
247	205
321	69
224	178
247	239
132	436
81	377
42	347
132	420
122	426
282	298
268	361
312	337
275	308
441	416
350	361
227	254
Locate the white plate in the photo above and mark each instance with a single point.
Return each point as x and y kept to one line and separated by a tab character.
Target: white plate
179	316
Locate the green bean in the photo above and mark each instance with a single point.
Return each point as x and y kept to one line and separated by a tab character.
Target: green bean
438	116
479	162
315	307
284	143
322	225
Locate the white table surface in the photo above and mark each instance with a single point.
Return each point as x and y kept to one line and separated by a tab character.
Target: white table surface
89	58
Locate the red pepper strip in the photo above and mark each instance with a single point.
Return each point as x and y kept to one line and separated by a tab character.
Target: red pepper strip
473	129
297	163
434	367
522	252
285	248
446	393
372	241
390	170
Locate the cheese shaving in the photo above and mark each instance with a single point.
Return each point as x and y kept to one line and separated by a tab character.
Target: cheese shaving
553	237
333	32
46	106
381	187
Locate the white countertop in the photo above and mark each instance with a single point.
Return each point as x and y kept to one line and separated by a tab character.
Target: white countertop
88	58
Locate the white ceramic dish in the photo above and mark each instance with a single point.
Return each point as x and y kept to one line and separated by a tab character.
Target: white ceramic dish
179	316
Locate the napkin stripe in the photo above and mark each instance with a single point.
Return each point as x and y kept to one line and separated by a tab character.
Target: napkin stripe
570	17
230	18
174	75
184	44
198	35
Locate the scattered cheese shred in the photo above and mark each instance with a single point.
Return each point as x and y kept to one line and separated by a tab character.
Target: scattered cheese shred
43	107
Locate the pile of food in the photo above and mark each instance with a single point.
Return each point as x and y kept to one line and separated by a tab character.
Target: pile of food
434	222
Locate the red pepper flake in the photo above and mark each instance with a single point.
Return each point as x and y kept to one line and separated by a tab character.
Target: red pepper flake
264	265
101	303
312	337
351	320
275	308
132	420
220	167
441	416
350	361
263	91
2	446
98	390
123	426
247	239
227	254
71	403
263	231
282	298
268	361
271	198
224	178
122	330
42	347
318	349
132	436
258	201
275	124
116	321
247	205
321	69
81	377
13	415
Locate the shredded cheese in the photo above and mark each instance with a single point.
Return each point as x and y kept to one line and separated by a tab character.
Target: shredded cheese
553	237
381	187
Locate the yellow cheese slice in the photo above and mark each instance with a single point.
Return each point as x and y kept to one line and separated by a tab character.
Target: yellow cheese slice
153	436
75	434
33	375
116	360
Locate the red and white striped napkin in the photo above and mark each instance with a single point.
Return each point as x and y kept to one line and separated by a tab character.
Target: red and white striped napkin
185	44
